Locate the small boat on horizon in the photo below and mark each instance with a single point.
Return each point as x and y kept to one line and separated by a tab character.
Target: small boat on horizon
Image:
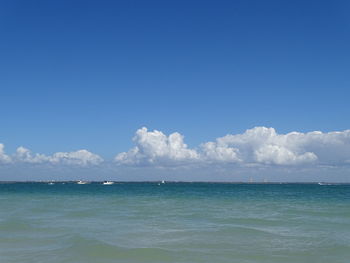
82	182
323	183
108	183
161	182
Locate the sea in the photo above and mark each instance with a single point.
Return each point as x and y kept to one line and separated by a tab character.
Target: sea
155	222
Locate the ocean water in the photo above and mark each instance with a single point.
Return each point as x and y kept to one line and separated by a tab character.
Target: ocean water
174	222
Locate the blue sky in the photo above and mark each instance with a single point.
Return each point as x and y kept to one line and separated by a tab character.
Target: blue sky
88	74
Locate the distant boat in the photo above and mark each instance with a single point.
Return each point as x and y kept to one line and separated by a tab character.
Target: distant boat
321	183
51	183
163	182
82	182
108	182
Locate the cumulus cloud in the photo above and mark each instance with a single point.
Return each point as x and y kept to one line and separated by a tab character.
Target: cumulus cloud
157	148
81	157
254	147
217	152
25	155
259	145
4	158
264	145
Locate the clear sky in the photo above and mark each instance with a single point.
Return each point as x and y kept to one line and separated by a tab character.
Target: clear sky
88	74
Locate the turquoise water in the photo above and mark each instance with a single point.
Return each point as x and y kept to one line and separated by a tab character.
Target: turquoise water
174	222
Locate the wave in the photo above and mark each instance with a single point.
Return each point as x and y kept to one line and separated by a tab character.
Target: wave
95	250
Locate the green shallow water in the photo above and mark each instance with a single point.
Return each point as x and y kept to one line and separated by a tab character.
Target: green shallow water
175	222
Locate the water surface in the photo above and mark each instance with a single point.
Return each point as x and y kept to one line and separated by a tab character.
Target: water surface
174	222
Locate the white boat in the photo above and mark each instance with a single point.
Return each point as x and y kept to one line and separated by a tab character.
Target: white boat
108	182
51	183
163	182
81	182
321	183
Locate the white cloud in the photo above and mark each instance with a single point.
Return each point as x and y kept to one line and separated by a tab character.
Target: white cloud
264	145
259	145
157	148
25	155
255	147
4	158
216	152
81	157
276	154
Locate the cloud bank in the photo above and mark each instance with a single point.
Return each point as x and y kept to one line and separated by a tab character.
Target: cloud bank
257	146
24	155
